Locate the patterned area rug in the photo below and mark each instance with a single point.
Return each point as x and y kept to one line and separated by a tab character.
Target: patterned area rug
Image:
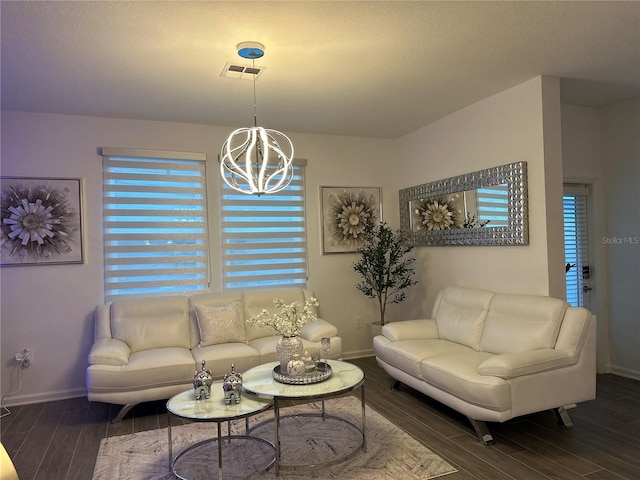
390	453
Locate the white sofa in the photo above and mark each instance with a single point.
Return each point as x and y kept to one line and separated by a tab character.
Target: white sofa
150	348
495	356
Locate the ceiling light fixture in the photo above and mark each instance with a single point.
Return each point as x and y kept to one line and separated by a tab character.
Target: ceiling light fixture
256	160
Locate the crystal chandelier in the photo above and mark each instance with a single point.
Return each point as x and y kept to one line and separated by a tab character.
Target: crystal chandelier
256	160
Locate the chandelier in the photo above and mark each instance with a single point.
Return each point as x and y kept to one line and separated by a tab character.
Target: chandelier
256	160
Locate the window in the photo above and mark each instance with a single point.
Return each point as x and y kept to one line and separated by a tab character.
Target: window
264	241
493	205
576	244
154	222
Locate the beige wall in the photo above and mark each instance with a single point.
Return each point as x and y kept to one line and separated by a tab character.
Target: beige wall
582	154
621	144
601	147
49	308
504	128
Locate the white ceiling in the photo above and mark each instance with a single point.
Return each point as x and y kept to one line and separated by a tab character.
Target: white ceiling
380	69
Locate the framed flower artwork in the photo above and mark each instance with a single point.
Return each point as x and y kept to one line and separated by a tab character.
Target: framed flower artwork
40	221
345	213
443	212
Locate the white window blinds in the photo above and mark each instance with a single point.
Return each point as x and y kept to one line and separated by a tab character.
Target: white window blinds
493	205
155	223
576	244
264	242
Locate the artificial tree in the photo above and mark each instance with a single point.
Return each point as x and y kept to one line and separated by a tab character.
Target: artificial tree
385	268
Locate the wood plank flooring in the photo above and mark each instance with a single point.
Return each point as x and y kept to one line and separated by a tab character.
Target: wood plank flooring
59	440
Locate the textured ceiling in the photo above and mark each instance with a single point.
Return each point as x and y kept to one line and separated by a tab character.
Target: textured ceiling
380	69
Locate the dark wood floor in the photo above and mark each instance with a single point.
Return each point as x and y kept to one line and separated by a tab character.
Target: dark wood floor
59	440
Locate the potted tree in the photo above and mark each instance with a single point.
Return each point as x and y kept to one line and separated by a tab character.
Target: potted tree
385	268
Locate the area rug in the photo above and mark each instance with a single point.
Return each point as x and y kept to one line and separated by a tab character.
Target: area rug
390	453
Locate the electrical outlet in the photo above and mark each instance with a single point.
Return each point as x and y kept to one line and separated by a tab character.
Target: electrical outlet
25	357
29	356
359	322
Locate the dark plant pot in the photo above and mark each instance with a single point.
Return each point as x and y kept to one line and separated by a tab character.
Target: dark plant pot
375	328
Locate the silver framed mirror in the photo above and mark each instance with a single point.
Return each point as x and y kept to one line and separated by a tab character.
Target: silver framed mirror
487	207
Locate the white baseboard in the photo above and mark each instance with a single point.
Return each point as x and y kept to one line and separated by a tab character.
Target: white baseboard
81	392
29	399
15	400
357	354
624	372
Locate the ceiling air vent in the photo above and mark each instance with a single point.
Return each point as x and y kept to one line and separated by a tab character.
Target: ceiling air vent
244	72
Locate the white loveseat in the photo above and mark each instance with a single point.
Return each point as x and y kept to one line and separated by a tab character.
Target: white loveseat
495	356
150	348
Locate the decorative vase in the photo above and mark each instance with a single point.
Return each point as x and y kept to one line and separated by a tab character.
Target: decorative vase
286	348
295	366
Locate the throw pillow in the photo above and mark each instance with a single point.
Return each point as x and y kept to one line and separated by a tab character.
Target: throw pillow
220	324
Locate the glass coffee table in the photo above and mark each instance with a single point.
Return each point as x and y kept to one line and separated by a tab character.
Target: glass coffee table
186	407
345	378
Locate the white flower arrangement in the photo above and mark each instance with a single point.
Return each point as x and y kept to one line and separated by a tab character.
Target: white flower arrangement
291	318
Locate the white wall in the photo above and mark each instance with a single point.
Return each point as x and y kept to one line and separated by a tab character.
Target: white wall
621	140
553	186
601	147
344	161
49	308
583	162
502	129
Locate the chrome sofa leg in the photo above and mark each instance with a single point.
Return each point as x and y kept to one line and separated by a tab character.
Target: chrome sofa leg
563	417
123	411
482	431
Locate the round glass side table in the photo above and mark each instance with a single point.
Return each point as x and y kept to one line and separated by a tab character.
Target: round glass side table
259	382
186	407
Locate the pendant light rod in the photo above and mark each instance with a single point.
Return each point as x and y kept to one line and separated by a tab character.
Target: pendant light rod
256	160
255	102
251	51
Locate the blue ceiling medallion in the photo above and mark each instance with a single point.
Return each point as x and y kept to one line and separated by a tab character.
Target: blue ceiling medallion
251	50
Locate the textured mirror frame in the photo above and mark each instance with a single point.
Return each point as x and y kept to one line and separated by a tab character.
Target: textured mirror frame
517	231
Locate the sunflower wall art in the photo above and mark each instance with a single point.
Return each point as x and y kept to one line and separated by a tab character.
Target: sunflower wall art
40	221
439	213
345	213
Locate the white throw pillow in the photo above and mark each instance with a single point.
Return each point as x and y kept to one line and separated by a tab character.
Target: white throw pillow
220	324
